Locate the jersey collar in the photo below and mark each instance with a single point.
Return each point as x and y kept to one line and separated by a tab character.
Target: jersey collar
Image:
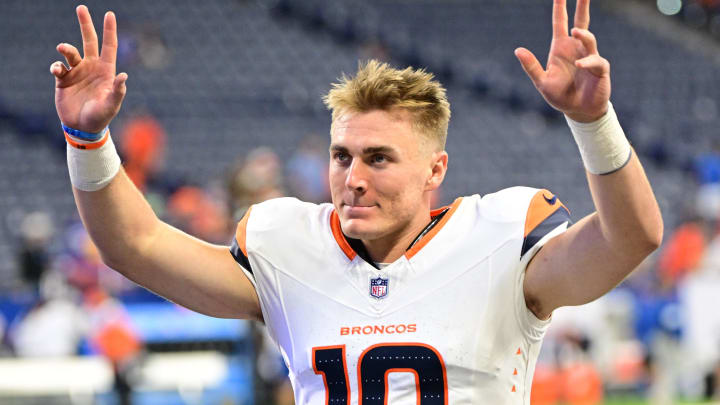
353	247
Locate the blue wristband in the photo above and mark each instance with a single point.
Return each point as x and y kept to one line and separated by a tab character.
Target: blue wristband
85	136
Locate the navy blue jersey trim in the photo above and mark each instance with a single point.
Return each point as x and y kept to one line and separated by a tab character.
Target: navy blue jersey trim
434	220
240	257
553	221
359	248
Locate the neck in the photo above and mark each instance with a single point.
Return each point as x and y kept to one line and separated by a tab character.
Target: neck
391	247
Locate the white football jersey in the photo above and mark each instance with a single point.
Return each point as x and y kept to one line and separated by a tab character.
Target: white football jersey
444	324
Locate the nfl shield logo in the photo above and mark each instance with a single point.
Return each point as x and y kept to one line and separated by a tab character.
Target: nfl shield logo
378	287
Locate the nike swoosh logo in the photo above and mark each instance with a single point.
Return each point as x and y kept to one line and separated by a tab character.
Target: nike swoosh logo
550	201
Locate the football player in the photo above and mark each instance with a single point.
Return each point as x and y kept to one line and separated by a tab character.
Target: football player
377	297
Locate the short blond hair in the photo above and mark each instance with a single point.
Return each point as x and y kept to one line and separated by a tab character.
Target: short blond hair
378	86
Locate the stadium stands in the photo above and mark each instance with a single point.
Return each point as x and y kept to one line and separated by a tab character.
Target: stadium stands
228	67
223	77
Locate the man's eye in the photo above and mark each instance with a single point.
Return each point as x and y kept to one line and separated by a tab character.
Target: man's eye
379	159
341	157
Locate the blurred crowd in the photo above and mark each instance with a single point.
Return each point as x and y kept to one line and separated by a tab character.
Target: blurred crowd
73	297
657	335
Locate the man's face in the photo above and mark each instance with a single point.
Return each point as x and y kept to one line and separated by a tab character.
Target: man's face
380	171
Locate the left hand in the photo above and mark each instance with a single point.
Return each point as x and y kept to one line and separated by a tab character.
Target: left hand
577	79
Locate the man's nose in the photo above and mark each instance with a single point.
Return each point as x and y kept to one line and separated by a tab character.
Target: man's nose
356	179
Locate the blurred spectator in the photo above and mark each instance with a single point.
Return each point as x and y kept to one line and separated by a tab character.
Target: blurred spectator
308	170
152	48
111	334
54	327
145	45
707	174
273	385
698	296
707	202
683	251
193	210
36	233
143	148
51	329
707	166
3	324
659	326
80	262
127	53
255	179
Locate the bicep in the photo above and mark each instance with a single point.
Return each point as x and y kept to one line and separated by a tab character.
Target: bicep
574	268
195	274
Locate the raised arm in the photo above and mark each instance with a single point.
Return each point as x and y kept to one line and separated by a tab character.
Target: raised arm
598	252
130	237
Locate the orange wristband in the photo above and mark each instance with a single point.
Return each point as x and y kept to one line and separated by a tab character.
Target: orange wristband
86	146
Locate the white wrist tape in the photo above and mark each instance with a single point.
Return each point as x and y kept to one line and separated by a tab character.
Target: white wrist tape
603	145
91	170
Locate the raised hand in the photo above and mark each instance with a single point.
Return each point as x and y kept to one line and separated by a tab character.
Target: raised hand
88	94
577	79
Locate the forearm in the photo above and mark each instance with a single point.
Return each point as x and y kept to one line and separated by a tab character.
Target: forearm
628	214
119	220
130	237
163	259
600	250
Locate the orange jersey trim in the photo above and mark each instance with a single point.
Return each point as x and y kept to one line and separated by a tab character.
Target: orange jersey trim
350	253
543	204
241	232
339	237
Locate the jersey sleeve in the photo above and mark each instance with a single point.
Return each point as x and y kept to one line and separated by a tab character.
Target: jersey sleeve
546	217
271	244
238	248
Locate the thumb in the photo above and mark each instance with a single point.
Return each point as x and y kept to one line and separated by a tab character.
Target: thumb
530	65
119	88
595	64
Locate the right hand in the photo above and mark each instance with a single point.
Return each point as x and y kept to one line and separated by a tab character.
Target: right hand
88	94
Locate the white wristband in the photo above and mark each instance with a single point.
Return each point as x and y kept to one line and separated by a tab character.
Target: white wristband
93	169
602	143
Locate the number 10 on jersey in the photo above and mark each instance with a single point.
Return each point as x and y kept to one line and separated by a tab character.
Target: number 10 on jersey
374	365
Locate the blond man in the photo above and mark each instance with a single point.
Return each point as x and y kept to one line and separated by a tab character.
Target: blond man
376	297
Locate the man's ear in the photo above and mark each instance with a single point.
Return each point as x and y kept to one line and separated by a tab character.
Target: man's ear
438	168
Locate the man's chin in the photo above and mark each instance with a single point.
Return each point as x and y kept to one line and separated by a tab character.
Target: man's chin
361	229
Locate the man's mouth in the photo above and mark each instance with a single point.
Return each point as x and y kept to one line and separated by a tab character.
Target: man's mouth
357	209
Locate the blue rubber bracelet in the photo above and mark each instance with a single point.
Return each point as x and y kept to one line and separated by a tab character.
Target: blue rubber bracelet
85	136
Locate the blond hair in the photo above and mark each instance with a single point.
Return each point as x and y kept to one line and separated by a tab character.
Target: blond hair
377	86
